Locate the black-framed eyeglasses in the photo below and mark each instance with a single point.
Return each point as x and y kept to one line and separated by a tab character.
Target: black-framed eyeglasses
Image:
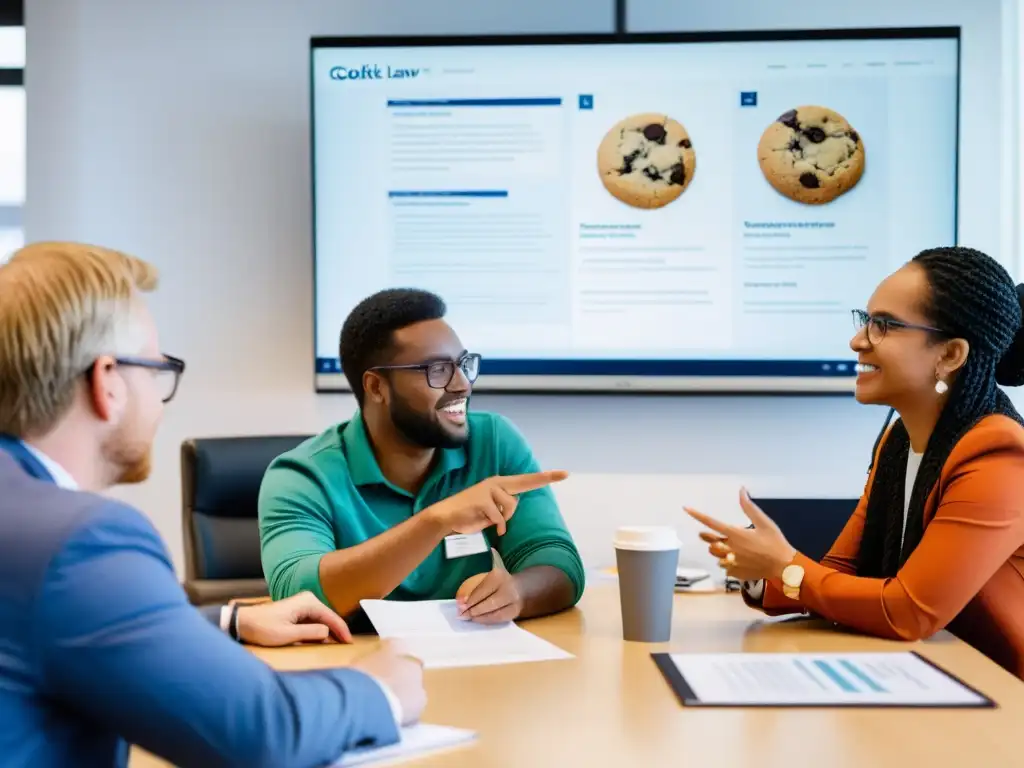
440	373
167	370
879	325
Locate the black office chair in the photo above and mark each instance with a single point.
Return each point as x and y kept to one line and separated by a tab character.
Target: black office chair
220	483
810	525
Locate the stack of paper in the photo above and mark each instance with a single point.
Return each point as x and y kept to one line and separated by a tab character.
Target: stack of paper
415	742
433	632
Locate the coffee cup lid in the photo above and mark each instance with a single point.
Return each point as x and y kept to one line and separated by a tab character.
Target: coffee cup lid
646	538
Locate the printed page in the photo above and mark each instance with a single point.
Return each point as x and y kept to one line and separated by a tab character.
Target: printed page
394	618
415	741
824	679
433	633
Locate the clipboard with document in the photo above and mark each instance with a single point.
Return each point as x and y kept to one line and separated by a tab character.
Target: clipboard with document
901	679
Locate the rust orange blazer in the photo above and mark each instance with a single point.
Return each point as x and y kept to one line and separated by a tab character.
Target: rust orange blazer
966	575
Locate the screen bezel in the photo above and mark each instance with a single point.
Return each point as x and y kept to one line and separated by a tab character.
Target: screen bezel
506	379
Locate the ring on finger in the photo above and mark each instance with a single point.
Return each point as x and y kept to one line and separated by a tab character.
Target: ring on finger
731	558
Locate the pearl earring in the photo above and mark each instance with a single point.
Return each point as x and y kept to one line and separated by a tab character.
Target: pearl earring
941	387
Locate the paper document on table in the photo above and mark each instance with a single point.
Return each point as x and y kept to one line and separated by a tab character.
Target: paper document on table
415	741
902	679
433	632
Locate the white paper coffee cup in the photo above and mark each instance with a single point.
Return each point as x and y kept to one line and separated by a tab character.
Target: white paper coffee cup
646	557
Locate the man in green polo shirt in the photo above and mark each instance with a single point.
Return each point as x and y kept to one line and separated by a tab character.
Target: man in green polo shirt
408	498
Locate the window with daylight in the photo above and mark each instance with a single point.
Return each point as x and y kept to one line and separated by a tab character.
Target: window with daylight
12	129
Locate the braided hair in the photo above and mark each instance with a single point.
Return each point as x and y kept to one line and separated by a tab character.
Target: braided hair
972	297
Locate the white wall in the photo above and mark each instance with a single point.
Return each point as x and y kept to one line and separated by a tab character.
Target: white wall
177	130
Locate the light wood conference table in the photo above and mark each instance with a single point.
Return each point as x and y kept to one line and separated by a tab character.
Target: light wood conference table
610	706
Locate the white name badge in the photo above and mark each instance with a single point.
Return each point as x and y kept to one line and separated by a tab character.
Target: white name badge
464	544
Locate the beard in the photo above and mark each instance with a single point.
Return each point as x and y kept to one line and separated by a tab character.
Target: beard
130	459
422	429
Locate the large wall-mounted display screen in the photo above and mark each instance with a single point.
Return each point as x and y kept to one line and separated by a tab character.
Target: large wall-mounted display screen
650	212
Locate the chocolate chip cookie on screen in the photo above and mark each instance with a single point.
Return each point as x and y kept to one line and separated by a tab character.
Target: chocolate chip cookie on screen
646	160
811	155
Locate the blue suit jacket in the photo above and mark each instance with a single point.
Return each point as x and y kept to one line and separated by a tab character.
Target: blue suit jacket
100	648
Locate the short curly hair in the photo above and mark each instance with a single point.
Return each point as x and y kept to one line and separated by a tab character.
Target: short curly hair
367	333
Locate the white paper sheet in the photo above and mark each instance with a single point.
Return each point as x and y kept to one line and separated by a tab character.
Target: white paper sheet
822	679
432	631
416	740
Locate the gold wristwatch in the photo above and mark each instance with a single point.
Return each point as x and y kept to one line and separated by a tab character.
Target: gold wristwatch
792	578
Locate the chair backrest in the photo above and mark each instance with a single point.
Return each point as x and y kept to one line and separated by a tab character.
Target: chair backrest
810	525
220	484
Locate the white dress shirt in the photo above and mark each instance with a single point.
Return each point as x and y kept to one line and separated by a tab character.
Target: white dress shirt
60	475
913	465
63	479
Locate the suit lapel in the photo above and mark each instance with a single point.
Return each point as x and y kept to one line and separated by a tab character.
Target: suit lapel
16	449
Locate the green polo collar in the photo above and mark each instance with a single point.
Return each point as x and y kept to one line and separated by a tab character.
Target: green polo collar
362	464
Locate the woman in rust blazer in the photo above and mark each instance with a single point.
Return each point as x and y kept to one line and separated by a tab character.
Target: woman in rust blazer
937	540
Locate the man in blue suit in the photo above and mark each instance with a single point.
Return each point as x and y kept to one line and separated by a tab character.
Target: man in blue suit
99	647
